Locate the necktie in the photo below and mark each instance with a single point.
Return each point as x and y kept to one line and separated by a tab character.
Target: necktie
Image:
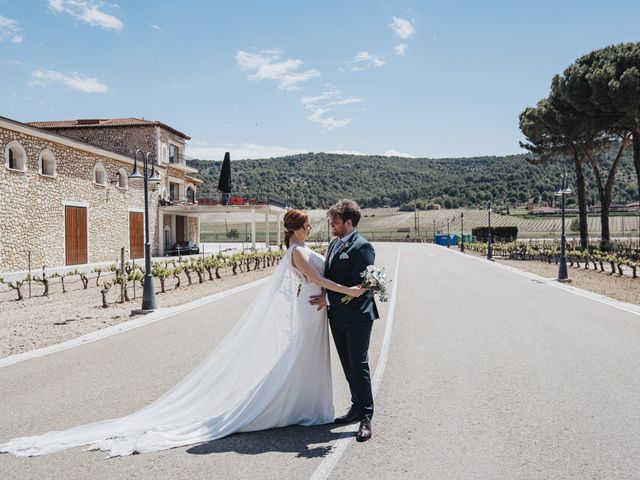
336	249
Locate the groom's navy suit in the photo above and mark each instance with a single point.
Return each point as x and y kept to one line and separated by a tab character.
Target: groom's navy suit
351	322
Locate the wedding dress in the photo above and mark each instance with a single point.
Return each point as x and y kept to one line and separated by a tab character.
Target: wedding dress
271	370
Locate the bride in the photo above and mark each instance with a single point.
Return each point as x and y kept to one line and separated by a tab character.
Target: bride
271	370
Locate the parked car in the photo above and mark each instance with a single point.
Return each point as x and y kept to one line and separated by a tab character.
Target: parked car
184	247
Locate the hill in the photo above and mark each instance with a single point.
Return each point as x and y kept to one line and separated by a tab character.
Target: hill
316	180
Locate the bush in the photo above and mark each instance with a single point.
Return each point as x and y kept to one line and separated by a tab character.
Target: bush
497	233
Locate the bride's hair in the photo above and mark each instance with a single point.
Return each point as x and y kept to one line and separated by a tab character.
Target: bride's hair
293	220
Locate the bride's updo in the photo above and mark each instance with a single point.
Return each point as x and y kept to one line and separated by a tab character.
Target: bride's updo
293	220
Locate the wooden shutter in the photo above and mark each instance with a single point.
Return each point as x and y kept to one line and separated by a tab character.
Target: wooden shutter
136	235
76	235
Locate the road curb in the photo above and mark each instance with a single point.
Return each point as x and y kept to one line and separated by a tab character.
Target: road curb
156	316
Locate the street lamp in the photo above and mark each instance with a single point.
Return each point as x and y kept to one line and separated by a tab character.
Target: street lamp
462	232
490	240
148	293
563	191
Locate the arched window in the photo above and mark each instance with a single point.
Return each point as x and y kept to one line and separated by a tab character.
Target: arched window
122	181
47	163
165	153
15	156
99	174
191	194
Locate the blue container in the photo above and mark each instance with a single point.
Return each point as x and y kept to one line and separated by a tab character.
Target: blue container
441	239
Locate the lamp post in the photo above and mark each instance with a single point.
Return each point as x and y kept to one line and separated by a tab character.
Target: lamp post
448	234
563	191
490	240
148	293
462	232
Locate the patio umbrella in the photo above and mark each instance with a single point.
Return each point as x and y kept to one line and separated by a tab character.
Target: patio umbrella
224	185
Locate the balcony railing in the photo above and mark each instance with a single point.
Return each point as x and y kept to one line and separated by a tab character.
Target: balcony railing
245	199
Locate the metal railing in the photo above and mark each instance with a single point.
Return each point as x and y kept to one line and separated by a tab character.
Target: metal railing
244	199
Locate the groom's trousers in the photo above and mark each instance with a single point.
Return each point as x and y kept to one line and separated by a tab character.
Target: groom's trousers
352	344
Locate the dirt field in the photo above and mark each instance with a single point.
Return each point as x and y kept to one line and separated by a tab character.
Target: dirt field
42	321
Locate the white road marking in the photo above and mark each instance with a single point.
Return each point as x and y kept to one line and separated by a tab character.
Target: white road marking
331	460
159	314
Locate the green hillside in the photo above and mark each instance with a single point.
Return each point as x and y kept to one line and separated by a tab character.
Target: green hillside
316	180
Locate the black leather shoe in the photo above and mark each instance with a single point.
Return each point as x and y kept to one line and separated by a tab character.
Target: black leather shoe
364	432
352	416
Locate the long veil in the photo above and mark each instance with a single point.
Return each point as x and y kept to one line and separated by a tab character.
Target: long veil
229	389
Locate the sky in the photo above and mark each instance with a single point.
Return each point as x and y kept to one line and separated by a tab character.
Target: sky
259	79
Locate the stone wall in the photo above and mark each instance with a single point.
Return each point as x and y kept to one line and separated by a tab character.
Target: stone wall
125	140
192	229
33	213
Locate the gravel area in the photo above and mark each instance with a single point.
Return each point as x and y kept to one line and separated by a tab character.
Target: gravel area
39	321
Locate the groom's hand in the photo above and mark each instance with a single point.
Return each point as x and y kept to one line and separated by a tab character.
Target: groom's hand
319	300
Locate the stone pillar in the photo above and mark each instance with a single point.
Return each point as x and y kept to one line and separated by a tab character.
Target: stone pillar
199	239
279	228
160	233
253	229
266	238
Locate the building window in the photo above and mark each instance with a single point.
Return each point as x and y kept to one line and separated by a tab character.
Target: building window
15	156
47	163
99	174
191	194
165	153
174	154
122	181
174	191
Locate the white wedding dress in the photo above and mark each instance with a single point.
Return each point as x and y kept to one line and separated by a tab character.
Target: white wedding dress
271	370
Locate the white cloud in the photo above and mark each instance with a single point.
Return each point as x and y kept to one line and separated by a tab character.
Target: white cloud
241	151
347	152
87	11
320	108
319	115
76	81
346	101
10	30
269	65
402	28
365	59
155	27
394	153
401	49
318	98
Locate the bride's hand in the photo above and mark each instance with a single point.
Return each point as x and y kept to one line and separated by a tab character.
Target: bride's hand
357	291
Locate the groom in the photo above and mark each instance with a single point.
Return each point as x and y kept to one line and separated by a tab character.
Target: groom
348	255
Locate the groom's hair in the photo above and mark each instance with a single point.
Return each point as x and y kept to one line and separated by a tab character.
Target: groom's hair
347	210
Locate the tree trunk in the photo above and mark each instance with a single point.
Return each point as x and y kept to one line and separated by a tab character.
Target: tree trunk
636	156
605	191
581	192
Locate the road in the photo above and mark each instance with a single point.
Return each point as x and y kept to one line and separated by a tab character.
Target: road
489	375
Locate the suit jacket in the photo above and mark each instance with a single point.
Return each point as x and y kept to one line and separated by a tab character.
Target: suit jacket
346	271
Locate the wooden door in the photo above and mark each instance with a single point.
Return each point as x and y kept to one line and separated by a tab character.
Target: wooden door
136	235
180	228
76	235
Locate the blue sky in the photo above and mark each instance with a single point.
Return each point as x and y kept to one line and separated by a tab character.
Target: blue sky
421	78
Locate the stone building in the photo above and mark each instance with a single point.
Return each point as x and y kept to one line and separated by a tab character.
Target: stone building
67	199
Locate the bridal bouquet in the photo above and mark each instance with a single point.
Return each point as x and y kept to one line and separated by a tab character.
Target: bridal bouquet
376	280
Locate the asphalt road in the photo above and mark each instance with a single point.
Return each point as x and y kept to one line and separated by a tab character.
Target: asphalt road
490	375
